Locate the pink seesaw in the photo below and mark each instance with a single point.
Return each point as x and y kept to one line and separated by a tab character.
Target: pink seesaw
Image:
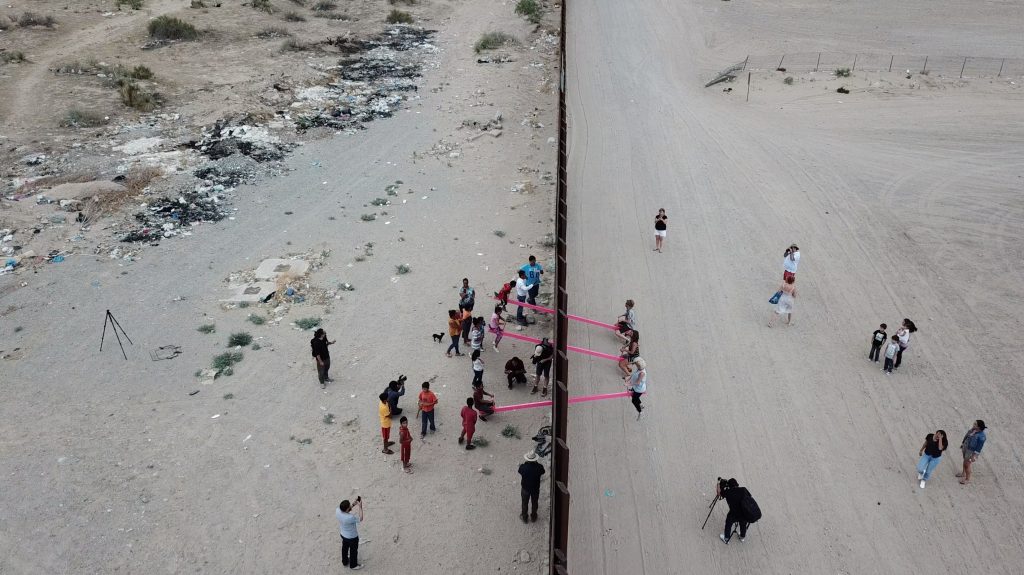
534	340
570	316
547	402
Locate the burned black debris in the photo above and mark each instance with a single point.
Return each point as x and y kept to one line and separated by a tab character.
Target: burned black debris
165	217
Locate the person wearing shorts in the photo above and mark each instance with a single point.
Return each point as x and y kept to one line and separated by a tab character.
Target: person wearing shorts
660	229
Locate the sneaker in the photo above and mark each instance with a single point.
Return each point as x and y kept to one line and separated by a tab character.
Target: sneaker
922	484
323	386
495	348
533	517
387	452
743	539
534	390
357	567
483	418
470	447
523	517
723	538
390	443
462	440
920	476
423	436
544	392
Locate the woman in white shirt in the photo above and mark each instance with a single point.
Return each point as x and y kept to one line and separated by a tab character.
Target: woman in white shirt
903	333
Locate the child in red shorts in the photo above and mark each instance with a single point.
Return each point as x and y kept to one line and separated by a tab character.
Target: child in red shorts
405	440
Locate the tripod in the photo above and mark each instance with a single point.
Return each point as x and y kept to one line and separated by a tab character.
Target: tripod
114	326
710	509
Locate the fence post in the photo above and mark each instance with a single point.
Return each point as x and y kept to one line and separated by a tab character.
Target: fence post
745	60
854	69
1001	68
780	62
818	62
962	67
925	69
748	86
890	61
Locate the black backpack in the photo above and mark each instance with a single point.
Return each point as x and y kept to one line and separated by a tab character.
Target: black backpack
751	512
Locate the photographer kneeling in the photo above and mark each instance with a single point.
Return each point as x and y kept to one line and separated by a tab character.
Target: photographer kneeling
742	508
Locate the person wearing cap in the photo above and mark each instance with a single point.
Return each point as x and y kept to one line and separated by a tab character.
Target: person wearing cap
322	356
531	470
790	261
971	446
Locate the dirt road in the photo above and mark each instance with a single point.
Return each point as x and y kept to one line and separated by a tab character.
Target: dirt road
904	202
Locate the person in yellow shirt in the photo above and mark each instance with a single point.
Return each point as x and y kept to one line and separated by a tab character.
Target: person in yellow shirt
385	422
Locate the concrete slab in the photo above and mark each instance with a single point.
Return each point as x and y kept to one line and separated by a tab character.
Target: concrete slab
254	292
269	269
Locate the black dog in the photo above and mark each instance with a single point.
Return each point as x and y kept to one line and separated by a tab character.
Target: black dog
438	337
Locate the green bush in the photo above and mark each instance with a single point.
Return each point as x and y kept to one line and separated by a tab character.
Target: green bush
207	328
492	40
399	17
225	360
12	57
136	97
788	81
133	4
32	19
307	322
257	319
842	72
294	17
263	5
240	338
529	9
169	28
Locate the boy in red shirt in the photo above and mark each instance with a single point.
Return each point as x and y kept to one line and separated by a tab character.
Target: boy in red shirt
468	424
405	439
502	295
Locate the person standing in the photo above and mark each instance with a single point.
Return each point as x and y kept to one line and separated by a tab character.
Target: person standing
405	442
531	470
467	323
971	447
636	383
476	335
478	368
468	415
497	325
427	401
385	423
533	271
785	305
790	261
322	356
734	495
523	288
542	356
904	332
890	354
877	341
467	296
930	454
660	229
348	524
454	330
515	371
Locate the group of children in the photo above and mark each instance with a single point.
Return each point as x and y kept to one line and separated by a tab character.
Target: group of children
895	347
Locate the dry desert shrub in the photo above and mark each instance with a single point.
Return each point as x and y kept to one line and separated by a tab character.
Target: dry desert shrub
12	57
842	72
529	9
324	6
133	4
293	45
78	118
169	28
29	19
399	17
137	97
273	32
263	5
492	40
294	17
406	2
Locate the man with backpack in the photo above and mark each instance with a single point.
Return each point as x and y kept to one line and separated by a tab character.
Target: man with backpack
742	508
542	356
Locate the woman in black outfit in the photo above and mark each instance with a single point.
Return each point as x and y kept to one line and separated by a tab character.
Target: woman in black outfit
660	229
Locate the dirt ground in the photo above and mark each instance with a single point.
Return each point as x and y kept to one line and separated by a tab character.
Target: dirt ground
904	196
148	466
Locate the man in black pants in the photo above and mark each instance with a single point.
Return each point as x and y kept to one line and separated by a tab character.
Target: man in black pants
319	344
531	471
515	371
733	495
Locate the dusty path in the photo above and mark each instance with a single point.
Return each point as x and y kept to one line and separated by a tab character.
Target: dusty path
904	206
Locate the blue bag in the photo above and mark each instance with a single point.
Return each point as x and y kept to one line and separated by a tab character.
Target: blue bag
775	298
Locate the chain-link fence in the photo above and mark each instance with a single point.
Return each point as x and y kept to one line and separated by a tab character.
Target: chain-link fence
948	66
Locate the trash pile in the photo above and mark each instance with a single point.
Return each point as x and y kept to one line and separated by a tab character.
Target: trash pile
370	82
225	140
166	217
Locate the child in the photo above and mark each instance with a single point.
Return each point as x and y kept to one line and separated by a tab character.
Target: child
468	424
497	325
877	341
454	330
478	367
890	353
426	406
467	322
484	406
502	295
405	439
476	334
385	423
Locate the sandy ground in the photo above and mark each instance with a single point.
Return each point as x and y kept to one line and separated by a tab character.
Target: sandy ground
905	202
112	466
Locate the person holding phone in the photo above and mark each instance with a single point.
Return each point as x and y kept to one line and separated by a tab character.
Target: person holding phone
349	516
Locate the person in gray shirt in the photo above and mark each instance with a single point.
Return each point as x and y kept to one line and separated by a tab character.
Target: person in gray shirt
348	523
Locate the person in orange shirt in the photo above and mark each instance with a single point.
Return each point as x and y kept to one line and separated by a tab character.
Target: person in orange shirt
405	440
385	422
426	407
454	330
467	323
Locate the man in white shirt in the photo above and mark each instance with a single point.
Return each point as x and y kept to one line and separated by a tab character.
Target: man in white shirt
522	292
790	261
348	524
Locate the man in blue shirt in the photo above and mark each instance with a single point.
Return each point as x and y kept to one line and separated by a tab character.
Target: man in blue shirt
348	524
973	441
533	272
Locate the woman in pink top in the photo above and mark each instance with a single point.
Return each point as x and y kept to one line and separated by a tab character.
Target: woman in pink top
496	325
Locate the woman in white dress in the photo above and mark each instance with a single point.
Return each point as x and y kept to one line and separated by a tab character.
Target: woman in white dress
785	305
